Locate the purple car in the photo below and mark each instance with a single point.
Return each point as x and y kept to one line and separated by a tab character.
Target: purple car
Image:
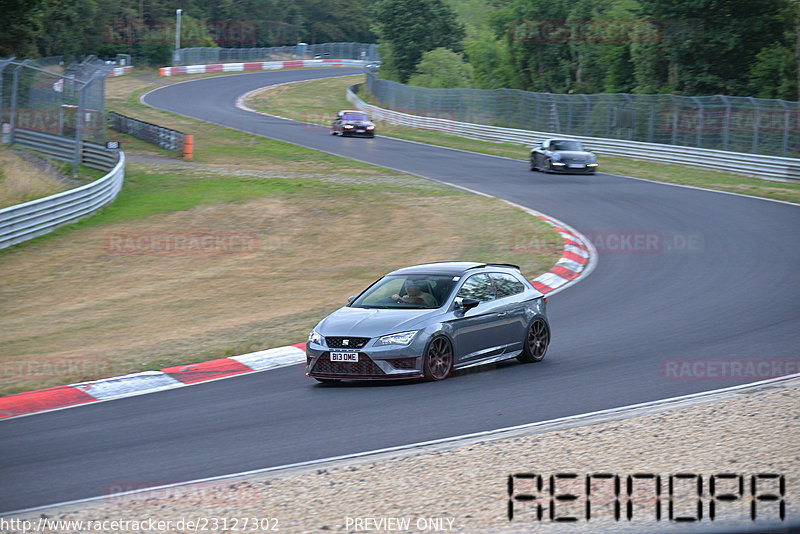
351	122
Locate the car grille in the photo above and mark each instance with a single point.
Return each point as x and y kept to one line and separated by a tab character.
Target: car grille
363	367
335	342
403	363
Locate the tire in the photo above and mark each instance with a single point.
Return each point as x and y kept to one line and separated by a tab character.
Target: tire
327	380
333	132
438	361
548	165
533	166
537	338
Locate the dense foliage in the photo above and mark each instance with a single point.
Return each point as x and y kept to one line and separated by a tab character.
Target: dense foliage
409	28
146	28
691	47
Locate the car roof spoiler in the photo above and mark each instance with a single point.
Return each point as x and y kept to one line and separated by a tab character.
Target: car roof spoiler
507	265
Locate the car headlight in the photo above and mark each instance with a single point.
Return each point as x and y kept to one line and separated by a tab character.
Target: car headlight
370	127
348	125
315	337
401	338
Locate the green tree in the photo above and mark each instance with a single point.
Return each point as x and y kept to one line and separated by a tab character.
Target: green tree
442	68
538	44
328	21
710	45
21	22
410	28
489	58
774	74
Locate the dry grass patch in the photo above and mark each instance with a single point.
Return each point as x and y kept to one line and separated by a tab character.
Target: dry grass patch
21	180
85	308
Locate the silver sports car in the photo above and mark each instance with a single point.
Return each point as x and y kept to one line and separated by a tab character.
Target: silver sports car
428	320
563	155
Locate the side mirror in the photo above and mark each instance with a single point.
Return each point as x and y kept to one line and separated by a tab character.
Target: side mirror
351	299
468	304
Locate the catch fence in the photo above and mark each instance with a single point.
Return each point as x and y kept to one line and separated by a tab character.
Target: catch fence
729	123
49	97
206	55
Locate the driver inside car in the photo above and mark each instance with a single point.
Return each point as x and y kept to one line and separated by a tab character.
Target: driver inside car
415	295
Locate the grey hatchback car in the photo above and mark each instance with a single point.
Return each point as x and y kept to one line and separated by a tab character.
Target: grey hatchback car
428	320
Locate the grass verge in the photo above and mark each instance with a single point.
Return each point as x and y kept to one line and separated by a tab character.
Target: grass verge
317	101
26	175
116	294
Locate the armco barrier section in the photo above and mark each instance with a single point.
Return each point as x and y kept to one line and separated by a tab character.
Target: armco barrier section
61	148
260	65
769	167
31	219
166	138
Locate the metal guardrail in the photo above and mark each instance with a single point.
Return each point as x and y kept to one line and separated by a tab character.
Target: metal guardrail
92	155
714	122
166	138
31	219
200	55
769	167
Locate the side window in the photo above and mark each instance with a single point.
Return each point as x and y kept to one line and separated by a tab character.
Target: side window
478	287
507	285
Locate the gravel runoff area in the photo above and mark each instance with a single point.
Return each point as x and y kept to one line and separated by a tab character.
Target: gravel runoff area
464	486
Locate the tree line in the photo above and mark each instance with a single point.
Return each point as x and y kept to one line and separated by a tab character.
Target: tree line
146	28
690	47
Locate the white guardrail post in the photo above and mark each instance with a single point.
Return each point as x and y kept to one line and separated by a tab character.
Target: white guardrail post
31	219
769	167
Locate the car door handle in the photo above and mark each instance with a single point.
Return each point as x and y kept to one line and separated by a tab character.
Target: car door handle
502	314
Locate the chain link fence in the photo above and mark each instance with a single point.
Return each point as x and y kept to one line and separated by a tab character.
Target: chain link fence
202	56
49	97
738	124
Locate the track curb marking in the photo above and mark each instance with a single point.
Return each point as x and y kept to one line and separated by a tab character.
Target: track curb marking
565	272
577	260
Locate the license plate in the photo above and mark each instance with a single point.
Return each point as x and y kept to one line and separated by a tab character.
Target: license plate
360	131
575	166
344	356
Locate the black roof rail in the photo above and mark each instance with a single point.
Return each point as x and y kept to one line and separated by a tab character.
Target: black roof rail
482	265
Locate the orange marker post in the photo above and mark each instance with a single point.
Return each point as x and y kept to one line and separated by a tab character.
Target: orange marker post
188	147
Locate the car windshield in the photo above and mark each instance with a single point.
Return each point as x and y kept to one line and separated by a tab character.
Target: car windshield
354	117
414	291
574	146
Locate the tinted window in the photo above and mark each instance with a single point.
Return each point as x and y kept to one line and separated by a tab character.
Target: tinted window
354	117
477	286
507	285
413	291
566	145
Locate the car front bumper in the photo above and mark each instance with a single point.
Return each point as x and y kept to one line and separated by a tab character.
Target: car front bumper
356	133
390	362
572	170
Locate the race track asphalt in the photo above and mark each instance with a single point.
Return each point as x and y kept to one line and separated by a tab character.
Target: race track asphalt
734	294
